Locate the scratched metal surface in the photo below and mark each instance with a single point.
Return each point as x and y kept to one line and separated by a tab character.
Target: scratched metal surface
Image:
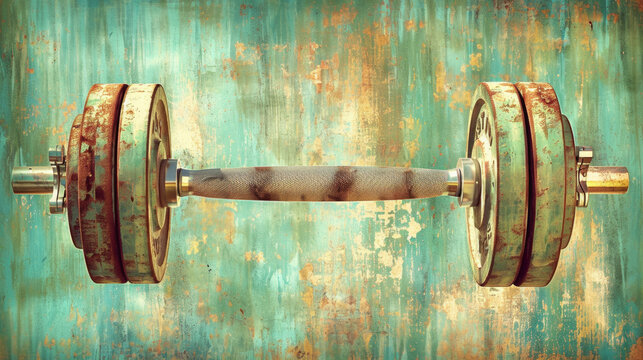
360	82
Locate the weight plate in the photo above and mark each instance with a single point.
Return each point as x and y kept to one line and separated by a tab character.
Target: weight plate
548	177
96	162
570	183
144	141
496	226
71	178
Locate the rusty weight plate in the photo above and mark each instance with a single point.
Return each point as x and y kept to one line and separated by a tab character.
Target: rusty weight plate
547	173
496	226
144	141
570	183
96	165
71	191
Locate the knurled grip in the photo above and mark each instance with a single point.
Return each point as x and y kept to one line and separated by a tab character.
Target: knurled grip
318	183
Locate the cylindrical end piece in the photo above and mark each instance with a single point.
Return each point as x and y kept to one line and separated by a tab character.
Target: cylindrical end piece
453	182
170	182
607	180
32	180
469	182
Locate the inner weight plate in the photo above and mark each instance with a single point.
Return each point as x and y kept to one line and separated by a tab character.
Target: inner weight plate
98	228
549	175
570	183
144	142
496	226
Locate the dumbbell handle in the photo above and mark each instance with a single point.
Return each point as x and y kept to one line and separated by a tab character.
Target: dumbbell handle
318	183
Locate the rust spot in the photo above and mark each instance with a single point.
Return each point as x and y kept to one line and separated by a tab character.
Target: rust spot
408	182
342	182
89	182
260	180
518	228
100	194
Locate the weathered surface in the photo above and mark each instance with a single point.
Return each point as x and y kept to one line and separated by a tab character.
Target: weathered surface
548	174
71	189
496	226
144	224
570	183
341	83
96	165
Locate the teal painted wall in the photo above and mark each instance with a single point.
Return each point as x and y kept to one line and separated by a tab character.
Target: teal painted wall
320	83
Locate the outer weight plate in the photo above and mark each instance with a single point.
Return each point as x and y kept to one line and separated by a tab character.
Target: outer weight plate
71	192
548	176
96	164
144	141
496	226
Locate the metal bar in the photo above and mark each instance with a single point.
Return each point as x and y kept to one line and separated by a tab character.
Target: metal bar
607	180
32	180
318	183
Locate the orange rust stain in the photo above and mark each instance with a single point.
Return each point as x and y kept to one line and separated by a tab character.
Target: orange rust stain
613	17
343	16
280	47
440	82
324	76
240	48
409	25
461	96
49	343
585	13
68	108
316	154
230	228
254	256
242	9
636	352
316	77
307	296
245	55
475	61
378	33
306	272
312	49
305	350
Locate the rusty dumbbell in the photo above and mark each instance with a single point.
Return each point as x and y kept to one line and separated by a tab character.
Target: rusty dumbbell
520	183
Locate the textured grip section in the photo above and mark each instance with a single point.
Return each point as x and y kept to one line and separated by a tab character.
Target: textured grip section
315	183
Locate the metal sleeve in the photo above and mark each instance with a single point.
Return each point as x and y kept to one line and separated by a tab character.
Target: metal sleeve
317	183
33	180
607	180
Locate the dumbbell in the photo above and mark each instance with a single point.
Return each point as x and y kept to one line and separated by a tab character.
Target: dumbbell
520	182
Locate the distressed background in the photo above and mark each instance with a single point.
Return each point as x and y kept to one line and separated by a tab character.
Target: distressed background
320	83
